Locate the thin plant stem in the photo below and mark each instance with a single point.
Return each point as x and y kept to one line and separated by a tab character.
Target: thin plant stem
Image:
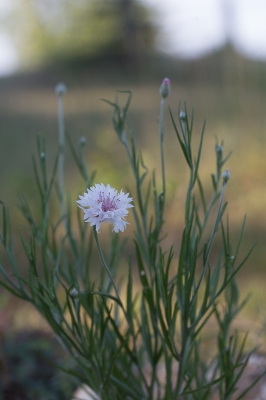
120	303
61	142
162	154
209	246
108	270
138	186
217	221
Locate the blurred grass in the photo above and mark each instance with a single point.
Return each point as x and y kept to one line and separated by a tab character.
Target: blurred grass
227	90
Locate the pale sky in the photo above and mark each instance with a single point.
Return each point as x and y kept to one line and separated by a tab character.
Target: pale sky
190	28
8	56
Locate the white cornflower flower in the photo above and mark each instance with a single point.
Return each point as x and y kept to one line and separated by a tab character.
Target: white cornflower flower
103	204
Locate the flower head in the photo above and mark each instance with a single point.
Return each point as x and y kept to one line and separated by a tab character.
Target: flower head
103	204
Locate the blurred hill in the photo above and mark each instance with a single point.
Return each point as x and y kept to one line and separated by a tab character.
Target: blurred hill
223	67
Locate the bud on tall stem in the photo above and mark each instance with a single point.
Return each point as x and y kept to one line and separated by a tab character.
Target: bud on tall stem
60	89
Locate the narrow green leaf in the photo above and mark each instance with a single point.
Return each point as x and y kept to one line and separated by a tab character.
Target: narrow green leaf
109	296
129	293
111	366
214	183
145	330
197	163
135	395
202	196
226	158
251	386
183	147
228	373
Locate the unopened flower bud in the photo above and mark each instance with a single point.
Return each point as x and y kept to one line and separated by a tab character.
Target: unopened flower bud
226	175
74	293
82	141
165	88
219	149
60	88
182	115
42	155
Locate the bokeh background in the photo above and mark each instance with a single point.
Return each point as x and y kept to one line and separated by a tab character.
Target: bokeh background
214	52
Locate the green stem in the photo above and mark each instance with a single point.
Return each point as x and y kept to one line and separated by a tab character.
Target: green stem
209	246
130	324
188	198
136	176
217	221
108	270
182	363
142	230
162	154
61	129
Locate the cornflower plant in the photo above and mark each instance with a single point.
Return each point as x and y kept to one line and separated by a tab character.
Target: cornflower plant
146	343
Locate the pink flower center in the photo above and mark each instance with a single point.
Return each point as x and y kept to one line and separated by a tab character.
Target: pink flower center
108	204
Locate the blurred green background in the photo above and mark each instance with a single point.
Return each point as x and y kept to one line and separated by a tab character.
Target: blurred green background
97	48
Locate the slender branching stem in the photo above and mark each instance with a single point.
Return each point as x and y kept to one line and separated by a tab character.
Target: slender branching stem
61	129
162	151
